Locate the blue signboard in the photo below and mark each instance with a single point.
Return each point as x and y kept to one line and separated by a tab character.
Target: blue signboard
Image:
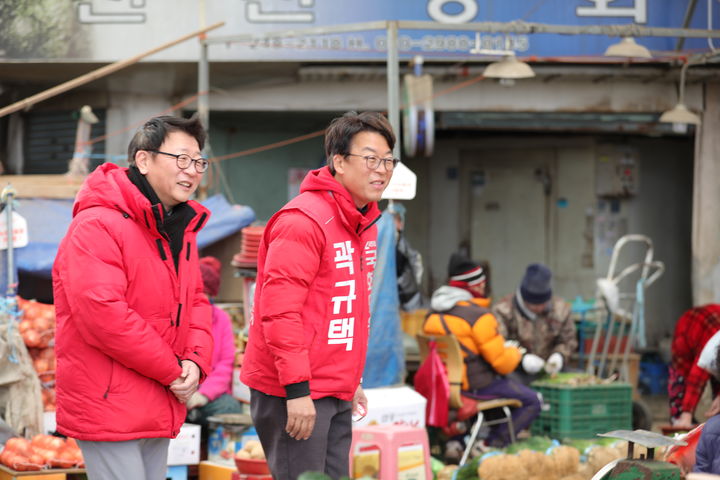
108	30
274	16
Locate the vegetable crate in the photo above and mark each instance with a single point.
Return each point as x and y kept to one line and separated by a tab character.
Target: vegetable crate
582	411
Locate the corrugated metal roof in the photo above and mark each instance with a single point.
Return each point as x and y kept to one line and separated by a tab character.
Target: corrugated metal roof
50	140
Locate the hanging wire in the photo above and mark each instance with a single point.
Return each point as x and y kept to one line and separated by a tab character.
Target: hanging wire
709	21
8	309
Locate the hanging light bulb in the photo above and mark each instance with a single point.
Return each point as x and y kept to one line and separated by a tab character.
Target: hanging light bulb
509	68
627	48
680	114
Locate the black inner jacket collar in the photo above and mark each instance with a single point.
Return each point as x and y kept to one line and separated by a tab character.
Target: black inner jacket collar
174	222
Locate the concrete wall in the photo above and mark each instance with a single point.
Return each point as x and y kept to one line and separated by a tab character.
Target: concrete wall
661	210
260	180
569	95
706	227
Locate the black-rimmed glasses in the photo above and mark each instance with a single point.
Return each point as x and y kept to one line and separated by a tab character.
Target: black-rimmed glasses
183	161
373	161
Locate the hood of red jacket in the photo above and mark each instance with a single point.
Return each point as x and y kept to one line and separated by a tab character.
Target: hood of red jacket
323	181
109	186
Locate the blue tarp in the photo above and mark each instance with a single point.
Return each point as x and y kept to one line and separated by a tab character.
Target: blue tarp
385	361
48	221
225	220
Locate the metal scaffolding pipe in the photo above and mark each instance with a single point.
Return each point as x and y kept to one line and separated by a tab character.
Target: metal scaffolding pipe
686	21
98	73
393	83
203	101
629	30
518	27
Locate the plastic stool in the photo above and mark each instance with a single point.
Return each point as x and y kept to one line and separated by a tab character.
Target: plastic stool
177	472
389	439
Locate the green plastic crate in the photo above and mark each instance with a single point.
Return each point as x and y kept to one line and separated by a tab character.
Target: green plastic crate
583	411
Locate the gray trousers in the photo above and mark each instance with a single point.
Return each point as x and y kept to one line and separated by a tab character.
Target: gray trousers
143	459
328	448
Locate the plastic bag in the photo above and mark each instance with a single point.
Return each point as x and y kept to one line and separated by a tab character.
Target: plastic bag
407	264
431	381
684	455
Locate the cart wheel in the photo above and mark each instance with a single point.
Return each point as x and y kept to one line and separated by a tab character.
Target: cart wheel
641	416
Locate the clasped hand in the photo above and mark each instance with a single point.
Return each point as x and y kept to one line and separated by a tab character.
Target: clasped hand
187	383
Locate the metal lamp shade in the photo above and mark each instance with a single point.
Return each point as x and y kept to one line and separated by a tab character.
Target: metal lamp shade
680	114
509	67
627	48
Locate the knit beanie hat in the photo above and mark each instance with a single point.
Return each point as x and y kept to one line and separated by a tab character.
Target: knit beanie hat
464	272
536	287
210	269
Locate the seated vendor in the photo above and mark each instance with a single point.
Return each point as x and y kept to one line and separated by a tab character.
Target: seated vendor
540	322
461	309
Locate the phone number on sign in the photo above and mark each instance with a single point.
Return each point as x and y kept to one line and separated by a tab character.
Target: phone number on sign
406	43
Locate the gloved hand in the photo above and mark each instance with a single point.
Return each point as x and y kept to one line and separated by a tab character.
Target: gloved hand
197	400
554	363
531	363
515	344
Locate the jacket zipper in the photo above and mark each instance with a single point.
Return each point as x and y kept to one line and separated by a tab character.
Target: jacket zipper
112	369
177	321
370	224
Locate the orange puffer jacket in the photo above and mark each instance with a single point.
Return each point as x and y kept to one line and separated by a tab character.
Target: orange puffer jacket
474	326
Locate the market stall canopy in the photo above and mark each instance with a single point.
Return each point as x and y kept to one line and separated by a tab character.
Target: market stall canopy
48	220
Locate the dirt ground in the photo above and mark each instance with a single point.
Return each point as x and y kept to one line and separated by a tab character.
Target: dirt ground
658	405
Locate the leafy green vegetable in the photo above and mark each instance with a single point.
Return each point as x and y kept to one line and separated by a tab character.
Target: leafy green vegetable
469	471
582	444
436	465
536	443
314	476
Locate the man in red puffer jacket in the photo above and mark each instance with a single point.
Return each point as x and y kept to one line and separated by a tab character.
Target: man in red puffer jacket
133	324
309	332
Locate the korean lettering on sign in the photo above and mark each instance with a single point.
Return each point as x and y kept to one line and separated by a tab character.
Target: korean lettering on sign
602	8
468	10
255	13
127	11
342	324
370	260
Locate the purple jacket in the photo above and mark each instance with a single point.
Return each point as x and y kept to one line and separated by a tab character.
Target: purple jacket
219	380
706	458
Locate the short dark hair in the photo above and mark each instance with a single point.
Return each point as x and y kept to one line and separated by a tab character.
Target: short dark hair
341	131
151	135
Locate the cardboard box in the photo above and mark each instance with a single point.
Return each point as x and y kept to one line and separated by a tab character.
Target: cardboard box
214	471
185	448
32	476
239	390
394	405
51	474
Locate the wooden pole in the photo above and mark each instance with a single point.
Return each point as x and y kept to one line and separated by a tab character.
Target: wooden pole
99	73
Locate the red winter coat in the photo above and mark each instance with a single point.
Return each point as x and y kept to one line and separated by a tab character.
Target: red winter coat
311	313
125	318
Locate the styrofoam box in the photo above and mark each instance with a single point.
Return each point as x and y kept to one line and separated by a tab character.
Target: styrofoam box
239	390
185	448
394	405
49	424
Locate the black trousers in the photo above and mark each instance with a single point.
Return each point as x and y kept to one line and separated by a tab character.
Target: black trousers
328	448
